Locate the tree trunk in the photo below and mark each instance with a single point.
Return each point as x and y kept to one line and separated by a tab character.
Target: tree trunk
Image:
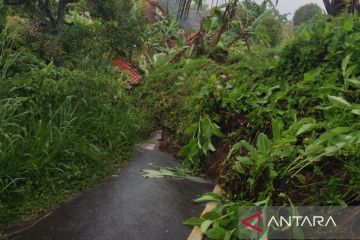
328	7
44	6
216	38
61	11
229	14
336	7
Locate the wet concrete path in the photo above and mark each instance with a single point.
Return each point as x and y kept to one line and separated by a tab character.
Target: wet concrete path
126	207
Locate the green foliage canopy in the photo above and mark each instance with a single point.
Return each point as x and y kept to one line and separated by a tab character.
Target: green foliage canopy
305	13
124	24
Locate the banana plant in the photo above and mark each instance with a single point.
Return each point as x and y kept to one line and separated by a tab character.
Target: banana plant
236	16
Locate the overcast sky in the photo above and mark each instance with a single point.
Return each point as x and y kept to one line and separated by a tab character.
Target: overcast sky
289	6
284	6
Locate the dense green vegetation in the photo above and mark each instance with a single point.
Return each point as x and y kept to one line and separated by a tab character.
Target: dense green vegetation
274	119
287	120
66	119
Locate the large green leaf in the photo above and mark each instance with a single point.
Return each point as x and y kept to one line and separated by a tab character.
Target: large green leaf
339	102
244	160
313	149
354	82
149	173
356	111
277	127
263	144
194	221
217	233
345	63
306	128
208	197
205	225
249	147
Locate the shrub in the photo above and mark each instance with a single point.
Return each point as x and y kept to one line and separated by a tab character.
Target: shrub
322	43
124	25
61	130
289	120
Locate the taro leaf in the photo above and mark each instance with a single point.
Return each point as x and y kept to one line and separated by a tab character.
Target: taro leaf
339	102
205	225
263	144
217	233
148	173
306	128
208	197
194	221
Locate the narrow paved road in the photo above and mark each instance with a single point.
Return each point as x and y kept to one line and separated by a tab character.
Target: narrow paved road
126	207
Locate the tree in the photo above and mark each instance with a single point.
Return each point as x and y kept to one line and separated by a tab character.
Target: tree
49	11
124	25
305	13
258	21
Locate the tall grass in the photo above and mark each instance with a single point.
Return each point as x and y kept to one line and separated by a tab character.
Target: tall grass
61	130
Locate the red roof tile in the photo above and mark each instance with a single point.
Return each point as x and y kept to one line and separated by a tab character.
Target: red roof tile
124	66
